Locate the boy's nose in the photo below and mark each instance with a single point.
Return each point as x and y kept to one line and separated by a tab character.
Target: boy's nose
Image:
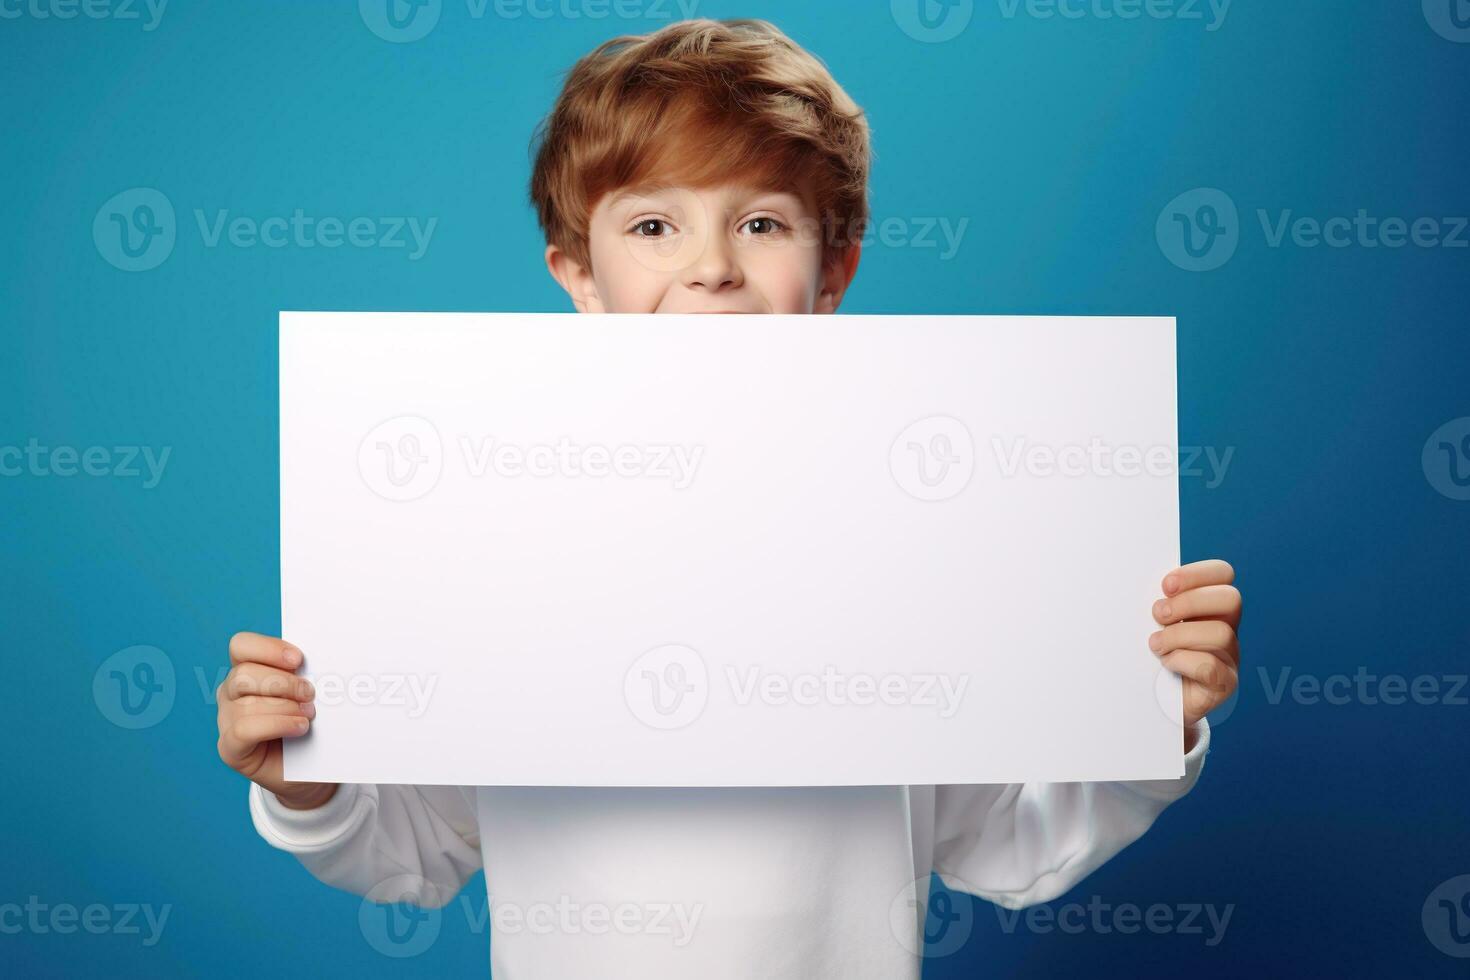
716	267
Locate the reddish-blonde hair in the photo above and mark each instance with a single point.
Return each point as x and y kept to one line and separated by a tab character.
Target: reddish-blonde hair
701	103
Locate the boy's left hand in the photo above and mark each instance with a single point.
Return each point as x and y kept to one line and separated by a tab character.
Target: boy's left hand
1200	612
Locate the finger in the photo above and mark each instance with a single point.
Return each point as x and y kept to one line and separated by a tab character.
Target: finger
248	679
1205	669
232	710
1202	634
242	737
1198	574
259	649
255	704
1199	701
1206	602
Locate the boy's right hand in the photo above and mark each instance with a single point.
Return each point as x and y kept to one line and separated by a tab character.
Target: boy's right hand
261	702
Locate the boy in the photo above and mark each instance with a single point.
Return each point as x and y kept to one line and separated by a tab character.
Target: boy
710	167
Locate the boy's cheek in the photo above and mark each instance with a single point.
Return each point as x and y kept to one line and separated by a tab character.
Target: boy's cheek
788	279
784	278
631	291
626	286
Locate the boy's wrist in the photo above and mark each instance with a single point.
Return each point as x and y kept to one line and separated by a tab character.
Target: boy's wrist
309	796
1192	736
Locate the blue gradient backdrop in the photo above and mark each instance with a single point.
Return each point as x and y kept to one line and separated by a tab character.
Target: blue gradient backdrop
1059	141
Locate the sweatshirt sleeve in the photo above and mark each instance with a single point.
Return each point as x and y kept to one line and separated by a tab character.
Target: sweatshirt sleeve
1023	844
415	844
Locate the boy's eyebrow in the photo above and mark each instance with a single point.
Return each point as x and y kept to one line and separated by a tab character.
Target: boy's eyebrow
640	190
759	192
653	189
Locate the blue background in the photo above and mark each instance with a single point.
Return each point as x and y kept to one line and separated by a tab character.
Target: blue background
1060	140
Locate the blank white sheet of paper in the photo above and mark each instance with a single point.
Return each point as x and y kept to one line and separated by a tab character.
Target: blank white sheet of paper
553	549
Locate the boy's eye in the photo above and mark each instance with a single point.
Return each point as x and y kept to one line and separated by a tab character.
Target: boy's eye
651	228
763	226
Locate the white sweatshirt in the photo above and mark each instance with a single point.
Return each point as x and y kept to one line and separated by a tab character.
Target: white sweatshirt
715	883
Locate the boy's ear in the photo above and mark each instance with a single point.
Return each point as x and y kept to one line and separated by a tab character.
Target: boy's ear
837	275
575	279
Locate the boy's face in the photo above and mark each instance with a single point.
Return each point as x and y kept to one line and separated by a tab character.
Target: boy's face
704	250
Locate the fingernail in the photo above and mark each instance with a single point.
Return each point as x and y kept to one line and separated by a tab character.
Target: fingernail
1156	642
309	709
301	724
292	656
1166	611
307	691
1171	584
